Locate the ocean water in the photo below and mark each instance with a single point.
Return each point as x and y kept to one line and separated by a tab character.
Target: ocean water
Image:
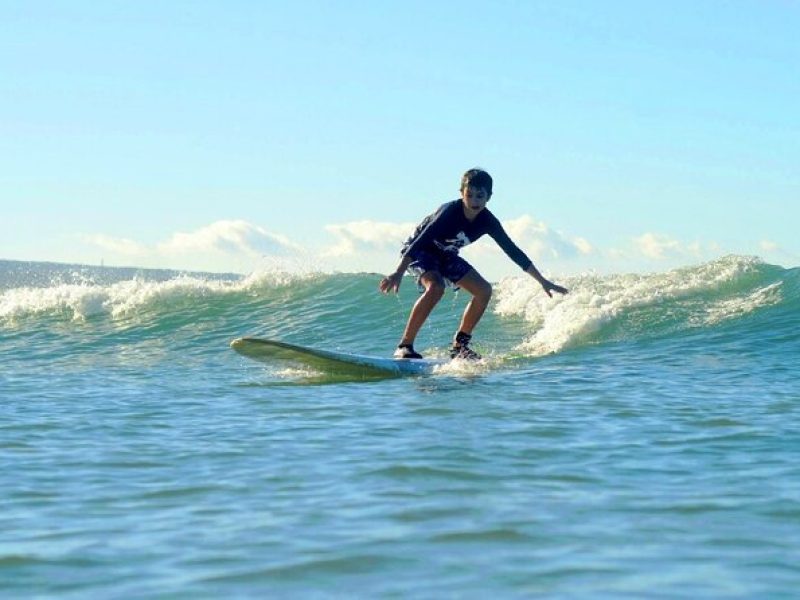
639	437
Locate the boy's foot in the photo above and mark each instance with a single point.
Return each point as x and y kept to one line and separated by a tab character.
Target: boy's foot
461	348
464	353
406	351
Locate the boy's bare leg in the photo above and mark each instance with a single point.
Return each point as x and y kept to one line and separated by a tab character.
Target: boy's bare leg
481	291
434	290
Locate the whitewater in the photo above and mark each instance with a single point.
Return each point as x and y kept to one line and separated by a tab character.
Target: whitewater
637	437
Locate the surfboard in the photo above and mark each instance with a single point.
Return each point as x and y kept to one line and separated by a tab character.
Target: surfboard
331	361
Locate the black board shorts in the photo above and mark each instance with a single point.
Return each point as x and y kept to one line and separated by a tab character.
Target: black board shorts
448	264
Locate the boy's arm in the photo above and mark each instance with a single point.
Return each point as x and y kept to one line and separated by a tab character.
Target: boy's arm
392	282
518	256
549	286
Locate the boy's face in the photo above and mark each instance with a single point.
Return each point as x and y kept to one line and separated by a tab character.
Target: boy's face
474	198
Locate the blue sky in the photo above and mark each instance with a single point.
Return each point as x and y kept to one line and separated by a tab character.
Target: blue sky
622	136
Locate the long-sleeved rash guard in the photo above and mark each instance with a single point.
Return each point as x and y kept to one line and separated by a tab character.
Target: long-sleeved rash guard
448	230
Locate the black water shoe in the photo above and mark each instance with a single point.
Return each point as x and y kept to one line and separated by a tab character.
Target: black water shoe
461	348
406	351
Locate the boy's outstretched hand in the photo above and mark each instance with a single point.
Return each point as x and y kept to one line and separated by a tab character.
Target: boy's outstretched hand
391	283
550	287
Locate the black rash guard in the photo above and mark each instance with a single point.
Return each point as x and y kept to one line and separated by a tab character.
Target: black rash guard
448	230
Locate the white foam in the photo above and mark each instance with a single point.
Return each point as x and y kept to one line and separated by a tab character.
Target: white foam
463	368
595	300
85	300
737	307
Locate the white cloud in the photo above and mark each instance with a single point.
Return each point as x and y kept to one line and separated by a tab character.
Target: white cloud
583	245
660	247
121	246
360	237
769	246
231	237
222	246
537	239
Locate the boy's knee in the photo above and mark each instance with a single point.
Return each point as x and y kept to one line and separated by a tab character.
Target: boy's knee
435	287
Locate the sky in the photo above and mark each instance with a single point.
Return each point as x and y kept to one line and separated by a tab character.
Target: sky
243	135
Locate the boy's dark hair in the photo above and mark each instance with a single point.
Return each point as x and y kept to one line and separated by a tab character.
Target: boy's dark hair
477	178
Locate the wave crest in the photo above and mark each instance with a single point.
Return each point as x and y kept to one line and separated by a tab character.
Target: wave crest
85	300
600	308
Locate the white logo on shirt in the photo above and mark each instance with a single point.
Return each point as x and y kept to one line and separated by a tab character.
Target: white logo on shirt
453	245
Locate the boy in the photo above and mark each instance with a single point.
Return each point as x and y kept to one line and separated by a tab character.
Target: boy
431	253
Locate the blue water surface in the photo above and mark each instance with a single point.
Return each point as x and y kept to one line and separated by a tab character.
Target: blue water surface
640	443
